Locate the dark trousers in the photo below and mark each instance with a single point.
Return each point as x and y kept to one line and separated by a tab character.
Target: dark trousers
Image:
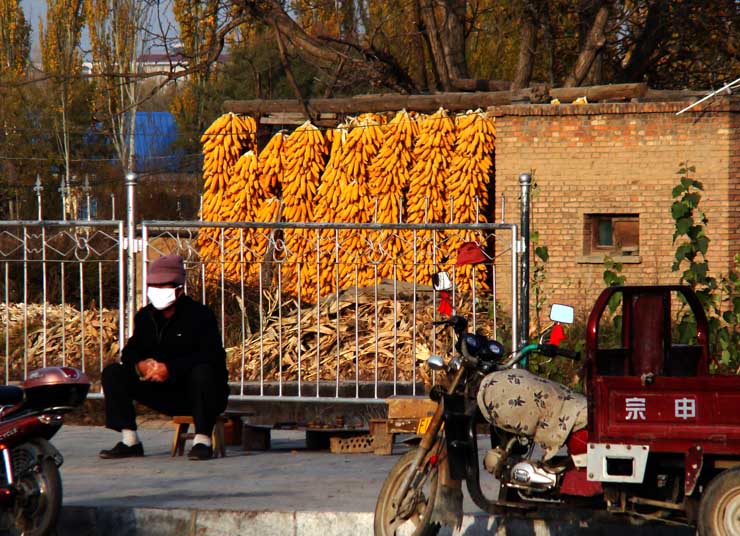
200	394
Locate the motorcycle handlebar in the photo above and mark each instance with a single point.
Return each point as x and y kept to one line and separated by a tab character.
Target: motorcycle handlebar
551	350
546	349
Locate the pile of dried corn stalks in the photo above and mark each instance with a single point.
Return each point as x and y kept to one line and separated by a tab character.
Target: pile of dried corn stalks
33	342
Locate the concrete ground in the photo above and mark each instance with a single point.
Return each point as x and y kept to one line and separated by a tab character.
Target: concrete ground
287	490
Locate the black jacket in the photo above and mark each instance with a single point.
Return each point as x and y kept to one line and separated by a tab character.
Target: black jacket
188	338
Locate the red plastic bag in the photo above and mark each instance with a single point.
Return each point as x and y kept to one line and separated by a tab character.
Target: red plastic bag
445	304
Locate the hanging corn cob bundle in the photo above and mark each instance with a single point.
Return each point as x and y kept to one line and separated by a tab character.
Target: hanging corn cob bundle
470	176
388	179
223	143
272	163
305	151
270	171
426	199
327	207
355	202
245	193
270	211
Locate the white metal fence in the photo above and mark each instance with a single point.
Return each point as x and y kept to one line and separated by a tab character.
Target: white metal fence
62	290
307	311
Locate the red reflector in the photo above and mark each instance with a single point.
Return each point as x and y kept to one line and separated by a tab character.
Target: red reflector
433	459
70	372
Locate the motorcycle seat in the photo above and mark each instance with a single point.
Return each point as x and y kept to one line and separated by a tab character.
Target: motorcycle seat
10	395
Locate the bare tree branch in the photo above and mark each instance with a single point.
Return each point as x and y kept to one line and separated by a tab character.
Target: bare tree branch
289	73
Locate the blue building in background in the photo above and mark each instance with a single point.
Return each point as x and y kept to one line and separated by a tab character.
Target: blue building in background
156	133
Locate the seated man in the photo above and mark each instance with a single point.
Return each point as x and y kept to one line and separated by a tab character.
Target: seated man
174	363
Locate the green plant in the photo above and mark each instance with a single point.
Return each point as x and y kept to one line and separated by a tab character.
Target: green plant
717	295
539	270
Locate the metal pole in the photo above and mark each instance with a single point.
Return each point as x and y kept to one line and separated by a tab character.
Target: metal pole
525	181
130	252
86	189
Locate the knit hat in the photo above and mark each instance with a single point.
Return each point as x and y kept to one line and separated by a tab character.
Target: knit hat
167	269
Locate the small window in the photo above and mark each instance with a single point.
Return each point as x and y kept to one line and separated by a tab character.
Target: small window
611	234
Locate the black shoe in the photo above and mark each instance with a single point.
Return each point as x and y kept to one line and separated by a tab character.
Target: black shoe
200	452
121	450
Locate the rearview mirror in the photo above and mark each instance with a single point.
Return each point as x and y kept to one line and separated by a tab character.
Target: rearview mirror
435	362
441	281
561	313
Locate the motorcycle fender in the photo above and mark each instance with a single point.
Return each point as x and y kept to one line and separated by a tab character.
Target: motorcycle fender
448	504
48	450
694	463
457	434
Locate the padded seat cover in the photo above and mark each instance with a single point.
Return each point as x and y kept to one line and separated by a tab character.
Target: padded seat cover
525	404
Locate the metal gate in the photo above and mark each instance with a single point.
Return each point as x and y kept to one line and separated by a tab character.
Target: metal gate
336	311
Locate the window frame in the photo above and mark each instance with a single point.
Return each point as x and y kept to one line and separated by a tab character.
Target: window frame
594	252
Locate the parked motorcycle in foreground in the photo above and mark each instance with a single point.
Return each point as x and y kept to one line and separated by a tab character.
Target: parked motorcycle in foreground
30	484
656	436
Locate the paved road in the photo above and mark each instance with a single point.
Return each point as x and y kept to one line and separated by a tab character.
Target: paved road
285	491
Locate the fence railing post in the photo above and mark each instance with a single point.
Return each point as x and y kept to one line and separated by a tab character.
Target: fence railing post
525	181
130	251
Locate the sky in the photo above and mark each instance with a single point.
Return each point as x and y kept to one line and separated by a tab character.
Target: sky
33	9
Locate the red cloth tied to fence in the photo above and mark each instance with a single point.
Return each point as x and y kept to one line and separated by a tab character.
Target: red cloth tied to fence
471	253
445	304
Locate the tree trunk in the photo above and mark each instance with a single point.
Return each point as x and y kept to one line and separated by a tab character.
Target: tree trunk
525	64
454	38
594	43
435	43
421	43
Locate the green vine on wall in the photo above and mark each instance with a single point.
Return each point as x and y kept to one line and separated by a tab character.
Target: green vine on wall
719	296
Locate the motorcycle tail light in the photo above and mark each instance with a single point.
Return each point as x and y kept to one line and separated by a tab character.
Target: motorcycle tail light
433	459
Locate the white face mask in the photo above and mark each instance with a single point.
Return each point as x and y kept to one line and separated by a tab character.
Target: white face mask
161	298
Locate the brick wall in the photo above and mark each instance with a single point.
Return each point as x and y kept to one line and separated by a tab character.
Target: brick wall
617	159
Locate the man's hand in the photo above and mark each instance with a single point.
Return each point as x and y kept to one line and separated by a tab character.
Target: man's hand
146	367
152	370
160	373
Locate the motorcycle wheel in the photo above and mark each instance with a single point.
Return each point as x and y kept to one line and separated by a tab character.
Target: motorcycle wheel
719	509
39	493
415	521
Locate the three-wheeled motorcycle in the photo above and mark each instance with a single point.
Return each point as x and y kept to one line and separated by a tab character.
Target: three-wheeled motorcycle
654	436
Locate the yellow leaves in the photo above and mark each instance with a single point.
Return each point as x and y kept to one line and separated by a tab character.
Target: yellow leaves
14	38
60	38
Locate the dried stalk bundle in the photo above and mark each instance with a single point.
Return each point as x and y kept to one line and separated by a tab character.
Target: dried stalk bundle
63	341
353	339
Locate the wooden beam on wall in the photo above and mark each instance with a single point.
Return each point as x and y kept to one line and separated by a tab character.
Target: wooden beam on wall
452	101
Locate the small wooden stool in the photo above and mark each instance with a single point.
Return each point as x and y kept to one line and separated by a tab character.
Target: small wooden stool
182	424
